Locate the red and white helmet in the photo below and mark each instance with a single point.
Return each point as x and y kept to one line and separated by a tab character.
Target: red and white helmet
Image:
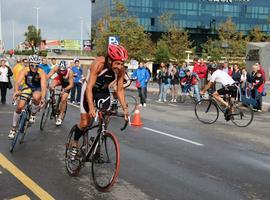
117	52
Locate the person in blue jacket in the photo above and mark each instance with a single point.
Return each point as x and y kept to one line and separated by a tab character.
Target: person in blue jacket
142	77
44	65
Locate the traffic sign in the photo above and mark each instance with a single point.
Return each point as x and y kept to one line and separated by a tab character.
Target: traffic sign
114	40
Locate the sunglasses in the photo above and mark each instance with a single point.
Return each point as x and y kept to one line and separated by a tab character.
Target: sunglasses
34	65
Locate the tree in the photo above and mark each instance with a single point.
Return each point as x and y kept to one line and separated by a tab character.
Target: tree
33	37
131	34
230	42
177	39
162	53
256	35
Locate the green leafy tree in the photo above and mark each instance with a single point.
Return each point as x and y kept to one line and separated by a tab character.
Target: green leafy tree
162	53
33	37
131	34
230	42
177	39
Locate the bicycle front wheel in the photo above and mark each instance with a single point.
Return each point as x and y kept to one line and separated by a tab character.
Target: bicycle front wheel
45	115
242	115
20	127
73	166
131	103
206	111
106	162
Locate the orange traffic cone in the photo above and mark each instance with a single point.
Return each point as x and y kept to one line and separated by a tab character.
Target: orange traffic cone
137	118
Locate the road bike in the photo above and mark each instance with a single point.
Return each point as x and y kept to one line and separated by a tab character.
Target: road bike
51	108
23	122
241	114
102	150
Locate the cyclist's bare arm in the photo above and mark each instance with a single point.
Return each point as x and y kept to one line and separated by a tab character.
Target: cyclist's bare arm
121	92
54	70
95	68
70	80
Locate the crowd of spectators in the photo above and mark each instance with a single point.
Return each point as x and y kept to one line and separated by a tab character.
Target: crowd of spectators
189	79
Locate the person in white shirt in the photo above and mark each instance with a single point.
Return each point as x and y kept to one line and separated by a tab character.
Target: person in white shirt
219	76
5	74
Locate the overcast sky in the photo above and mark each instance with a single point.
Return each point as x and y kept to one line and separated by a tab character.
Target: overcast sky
58	19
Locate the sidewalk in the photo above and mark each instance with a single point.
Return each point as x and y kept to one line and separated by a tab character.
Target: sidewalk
153	88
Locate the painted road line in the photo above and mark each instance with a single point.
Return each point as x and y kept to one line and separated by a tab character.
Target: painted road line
173	136
30	184
23	197
77	106
172	105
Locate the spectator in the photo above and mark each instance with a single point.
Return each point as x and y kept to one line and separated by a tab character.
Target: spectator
5	83
226	67
150	76
190	82
17	68
258	85
159	81
230	70
78	77
182	74
53	65
165	77
244	80
175	83
236	75
261	71
44	65
201	70
142	75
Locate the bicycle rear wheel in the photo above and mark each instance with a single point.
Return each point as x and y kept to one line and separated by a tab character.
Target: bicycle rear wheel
106	162
206	111
242	115
45	115
19	128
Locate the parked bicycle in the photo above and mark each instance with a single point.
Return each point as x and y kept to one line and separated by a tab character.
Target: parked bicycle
241	114
51	108
102	150
23	122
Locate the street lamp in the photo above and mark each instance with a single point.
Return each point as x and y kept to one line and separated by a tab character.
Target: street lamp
81	35
188	53
37	8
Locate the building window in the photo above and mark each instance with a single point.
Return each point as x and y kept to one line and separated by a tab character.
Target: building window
152	21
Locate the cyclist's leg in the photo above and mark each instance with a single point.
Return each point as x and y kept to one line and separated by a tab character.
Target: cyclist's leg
217	96
63	104
16	115
36	96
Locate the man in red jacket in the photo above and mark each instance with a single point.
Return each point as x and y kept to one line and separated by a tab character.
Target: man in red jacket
200	69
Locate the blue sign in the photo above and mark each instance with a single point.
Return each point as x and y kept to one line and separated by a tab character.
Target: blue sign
114	40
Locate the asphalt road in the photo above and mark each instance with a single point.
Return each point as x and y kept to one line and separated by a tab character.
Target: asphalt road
172	157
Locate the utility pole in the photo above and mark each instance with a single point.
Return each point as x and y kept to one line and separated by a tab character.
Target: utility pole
1	39
37	8
13	36
81	35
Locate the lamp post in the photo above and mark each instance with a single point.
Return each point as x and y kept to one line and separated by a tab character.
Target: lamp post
13	36
37	8
188	53
81	35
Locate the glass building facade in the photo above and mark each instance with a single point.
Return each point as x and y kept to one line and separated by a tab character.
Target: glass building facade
193	15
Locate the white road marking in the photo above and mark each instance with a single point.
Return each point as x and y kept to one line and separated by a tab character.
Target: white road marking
172	105
173	136
77	106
